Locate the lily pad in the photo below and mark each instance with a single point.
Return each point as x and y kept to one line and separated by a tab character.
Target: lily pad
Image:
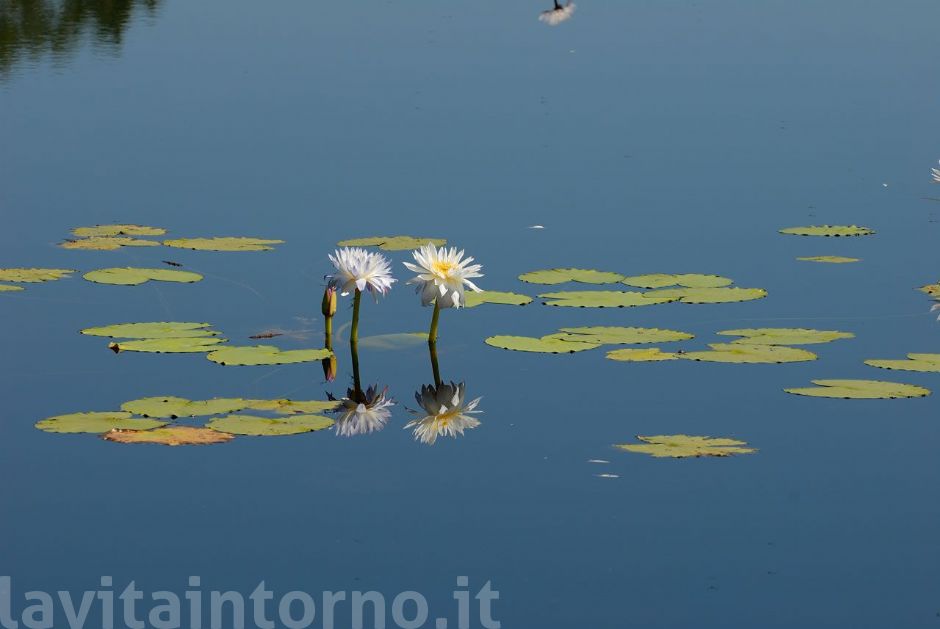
130	276
861	390
117	230
603	299
931	289
750	354
545	345
688	280
223	244
706	295
400	340
97	422
560	276
269	427
684	446
646	355
172	436
393	243
9	288
183	345
152	330
828	230
172	407
290	407
829	259
265	355
914	362
785	336
107	243
33	275
496	297
615	335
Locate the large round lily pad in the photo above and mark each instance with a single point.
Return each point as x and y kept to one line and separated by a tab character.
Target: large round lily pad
268	426
914	362
785	336
545	345
33	275
688	280
117	230
131	276
828	230
170	436
96	422
107	243
861	390
9	288
560	276
750	354
184	345
265	355
152	330
603	299
223	244
393	243
173	407
495	297
645	355
829	259
616	335
684	446
706	295
290	407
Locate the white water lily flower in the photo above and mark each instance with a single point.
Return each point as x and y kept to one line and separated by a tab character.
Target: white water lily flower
442	274
357	268
936	174
558	14
363	413
936	307
446	412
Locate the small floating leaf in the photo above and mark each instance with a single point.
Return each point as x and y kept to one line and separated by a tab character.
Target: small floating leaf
288	407
107	243
750	354
173	407
265	355
546	344
172	436
706	295
683	446
785	336
400	340
651	354
914	362
861	390
560	276
117	230
184	345
130	276
603	299
33	275
828	230
9	288
496	297
689	280
615	335
392	243
829	259
931	289
96	422
269	427
152	330
223	244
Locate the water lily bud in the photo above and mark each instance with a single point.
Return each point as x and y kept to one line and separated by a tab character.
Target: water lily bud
329	301
329	368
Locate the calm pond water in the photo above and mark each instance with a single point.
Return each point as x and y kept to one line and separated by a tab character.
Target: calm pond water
645	137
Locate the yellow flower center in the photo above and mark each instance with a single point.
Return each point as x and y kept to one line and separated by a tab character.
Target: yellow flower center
443	267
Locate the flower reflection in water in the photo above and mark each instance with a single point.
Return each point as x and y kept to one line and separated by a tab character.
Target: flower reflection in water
363	412
447	413
558	14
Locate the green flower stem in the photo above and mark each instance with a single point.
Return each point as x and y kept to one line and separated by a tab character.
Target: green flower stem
354	341
328	332
432	347
432	335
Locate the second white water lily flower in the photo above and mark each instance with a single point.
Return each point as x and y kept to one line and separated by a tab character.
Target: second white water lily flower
558	14
364	412
359	269
446	412
442	275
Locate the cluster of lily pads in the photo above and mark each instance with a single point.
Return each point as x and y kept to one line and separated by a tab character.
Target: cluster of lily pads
110	237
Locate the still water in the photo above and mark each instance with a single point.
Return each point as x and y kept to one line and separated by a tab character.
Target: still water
645	137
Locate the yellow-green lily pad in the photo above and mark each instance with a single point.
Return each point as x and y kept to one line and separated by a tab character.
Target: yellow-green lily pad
829	259
96	422
265	355
290	407
616	335
861	390
117	230
398	340
392	243
603	299
931	289
684	446
706	295
914	362
688	280
785	336
645	355
495	297
33	275
268	426
9	288
131	276
107	243
545	345
183	345
173	407
169	436
227	243
750	354
152	330
828	230
560	276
